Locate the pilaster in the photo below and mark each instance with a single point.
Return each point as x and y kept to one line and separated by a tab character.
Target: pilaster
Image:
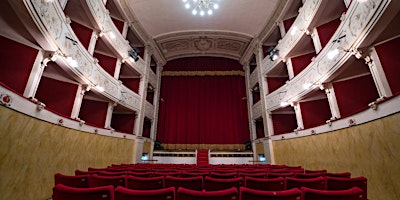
110	111
299	116
378	74
315	38
290	68
78	100
92	43
117	68
153	133
39	65
281	28
333	104
268	151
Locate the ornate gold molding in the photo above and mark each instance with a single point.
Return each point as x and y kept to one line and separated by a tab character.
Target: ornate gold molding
203	73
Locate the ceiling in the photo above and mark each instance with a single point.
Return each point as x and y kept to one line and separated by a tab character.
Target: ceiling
227	33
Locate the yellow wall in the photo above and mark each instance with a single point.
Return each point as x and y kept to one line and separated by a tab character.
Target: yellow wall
259	149
32	151
371	150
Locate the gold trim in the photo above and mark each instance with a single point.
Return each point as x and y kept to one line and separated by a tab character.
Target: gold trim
213	147
203	73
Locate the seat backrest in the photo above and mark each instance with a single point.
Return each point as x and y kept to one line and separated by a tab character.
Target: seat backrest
122	193
97	180
109	173
315	171
227	194
315	183
353	193
255	175
336	183
340	175
275	175
214	184
140	174
192	174
192	183
223	175
80	181
309	175
80	172
145	183
271	184
62	192
251	194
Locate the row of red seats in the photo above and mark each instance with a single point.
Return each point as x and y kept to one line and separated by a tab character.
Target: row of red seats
216	174
212	184
62	192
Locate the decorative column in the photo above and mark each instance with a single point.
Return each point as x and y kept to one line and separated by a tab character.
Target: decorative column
378	74
246	69
37	71
78	100
299	117
143	92
110	111
125	29
290	68
333	104
156	103
281	28
117	68
93	40
315	38
347	3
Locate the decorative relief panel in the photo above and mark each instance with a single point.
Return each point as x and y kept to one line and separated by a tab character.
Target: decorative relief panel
322	67
226	44
112	37
75	58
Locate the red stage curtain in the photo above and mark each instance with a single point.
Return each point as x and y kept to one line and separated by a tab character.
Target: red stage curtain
203	109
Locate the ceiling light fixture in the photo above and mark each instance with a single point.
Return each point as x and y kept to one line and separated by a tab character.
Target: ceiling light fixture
201	7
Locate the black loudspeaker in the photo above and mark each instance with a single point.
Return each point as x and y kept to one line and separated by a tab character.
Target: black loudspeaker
158	146
248	145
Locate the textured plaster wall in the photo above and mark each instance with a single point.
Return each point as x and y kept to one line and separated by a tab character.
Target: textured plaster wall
32	151
371	150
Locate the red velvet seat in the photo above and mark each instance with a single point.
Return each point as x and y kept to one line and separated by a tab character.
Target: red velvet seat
335	183
97	180
340	175
192	183
145	183
192	174
275	175
80	181
315	183
112	173
213	184
62	192
255	175
272	184
315	171
140	174
223	175
122	193
354	193
251	194
80	172
227	194
309	175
